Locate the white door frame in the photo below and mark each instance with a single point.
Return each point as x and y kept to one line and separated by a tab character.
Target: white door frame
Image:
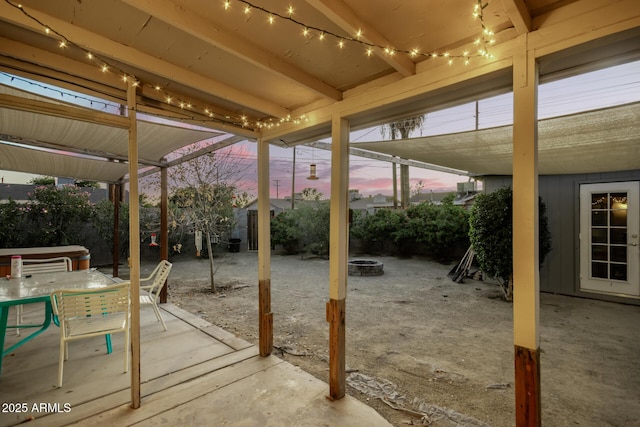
605	239
604	242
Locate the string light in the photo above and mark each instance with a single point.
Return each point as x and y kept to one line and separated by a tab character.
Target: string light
486	39
58	91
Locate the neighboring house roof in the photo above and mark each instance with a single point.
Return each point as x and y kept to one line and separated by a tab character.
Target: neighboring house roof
434	197
281	204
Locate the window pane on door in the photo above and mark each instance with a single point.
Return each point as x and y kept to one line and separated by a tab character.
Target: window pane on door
599	235
618	254
599	253
618	272
599	270
599	201
609	235
618	236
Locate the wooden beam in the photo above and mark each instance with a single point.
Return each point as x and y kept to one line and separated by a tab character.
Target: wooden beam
189	21
519	15
64	111
48	67
134	247
338	255
170	112
343	16
265	316
574	27
526	277
32	63
206	150
82	151
118	52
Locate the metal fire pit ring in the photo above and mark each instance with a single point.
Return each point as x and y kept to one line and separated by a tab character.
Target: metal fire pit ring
365	267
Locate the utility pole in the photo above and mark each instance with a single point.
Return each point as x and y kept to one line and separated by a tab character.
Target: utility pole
277	181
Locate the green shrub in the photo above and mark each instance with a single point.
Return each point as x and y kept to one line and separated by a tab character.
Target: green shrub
12	225
103	224
381	228
439	230
491	236
442	230
57	215
285	232
305	228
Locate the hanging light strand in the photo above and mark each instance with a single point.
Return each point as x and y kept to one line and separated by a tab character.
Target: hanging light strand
106	65
485	39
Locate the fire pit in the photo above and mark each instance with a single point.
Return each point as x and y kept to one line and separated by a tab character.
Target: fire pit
365	267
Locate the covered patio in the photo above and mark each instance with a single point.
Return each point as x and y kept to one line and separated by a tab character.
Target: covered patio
193	374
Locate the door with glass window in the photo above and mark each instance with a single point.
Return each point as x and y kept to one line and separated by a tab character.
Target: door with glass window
609	228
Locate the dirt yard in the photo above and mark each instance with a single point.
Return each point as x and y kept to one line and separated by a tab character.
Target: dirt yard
424	350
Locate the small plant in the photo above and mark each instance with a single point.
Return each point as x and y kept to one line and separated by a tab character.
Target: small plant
491	236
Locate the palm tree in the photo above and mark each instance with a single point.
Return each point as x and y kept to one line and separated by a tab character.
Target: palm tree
402	128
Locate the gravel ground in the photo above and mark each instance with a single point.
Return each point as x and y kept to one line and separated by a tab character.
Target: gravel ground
424	350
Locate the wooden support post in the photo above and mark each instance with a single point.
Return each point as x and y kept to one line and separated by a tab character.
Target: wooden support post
117	201
134	246
526	276
527	389
265	315
336	316
164	227
338	255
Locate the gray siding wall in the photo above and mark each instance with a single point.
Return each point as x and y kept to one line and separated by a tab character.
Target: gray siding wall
561	270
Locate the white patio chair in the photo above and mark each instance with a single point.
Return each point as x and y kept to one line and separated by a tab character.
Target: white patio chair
153	285
41	266
86	313
48	265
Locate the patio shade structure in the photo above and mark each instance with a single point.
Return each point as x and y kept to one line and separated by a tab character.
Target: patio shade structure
286	74
608	133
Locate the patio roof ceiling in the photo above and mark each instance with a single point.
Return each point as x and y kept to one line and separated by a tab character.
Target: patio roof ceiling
221	67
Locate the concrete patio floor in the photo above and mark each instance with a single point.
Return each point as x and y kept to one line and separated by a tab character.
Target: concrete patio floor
193	374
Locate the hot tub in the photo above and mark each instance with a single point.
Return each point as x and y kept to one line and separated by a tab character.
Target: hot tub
80	257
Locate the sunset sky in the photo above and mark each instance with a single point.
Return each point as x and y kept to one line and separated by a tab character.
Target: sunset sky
616	85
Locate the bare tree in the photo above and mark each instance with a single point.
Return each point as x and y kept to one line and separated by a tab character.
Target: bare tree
203	193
